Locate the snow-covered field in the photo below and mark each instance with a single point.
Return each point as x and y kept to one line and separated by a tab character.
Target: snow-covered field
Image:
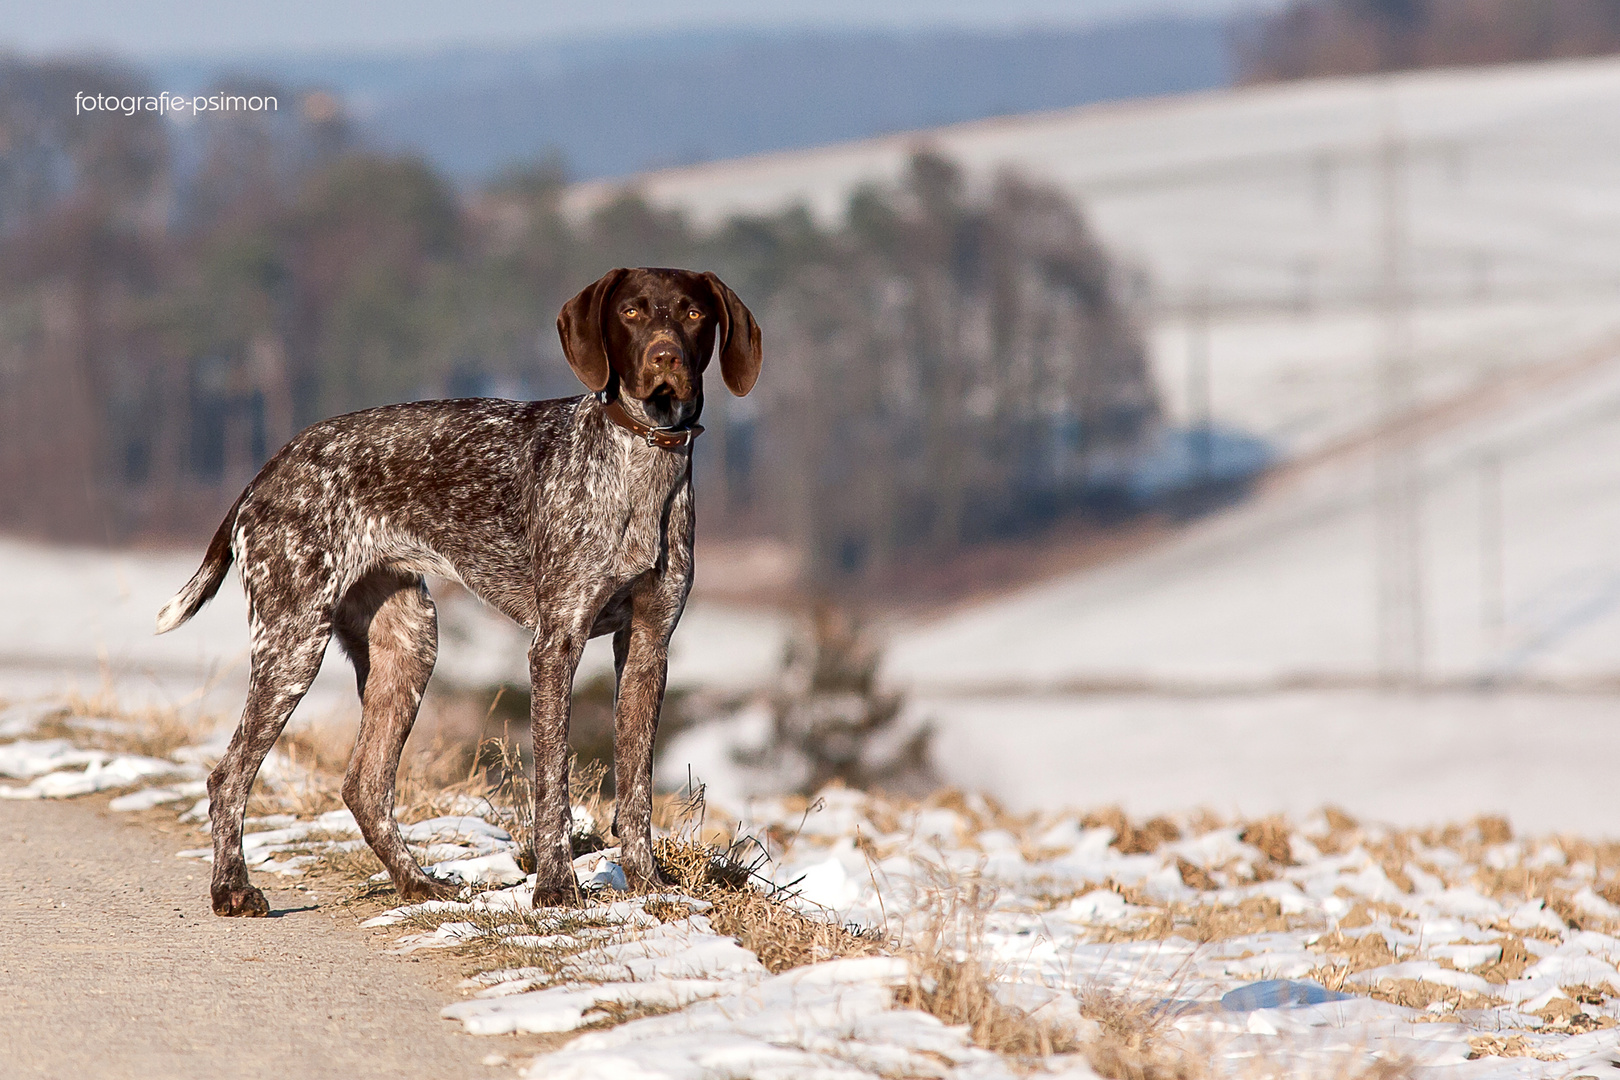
1285	588
1184	945
1236	666
1266	200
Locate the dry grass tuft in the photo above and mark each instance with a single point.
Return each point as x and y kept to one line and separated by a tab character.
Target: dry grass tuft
1271	835
1565	1015
1420	994
1507	1046
1195	877
609	1014
1344	832
1493	829
511	789
760	920
1132	839
1135	1039
1355	954
1366	912
153	731
699	868
352	868
781	937
1204	923
949	981
666	911
1515	958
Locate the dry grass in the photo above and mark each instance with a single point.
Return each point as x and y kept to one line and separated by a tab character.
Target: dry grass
759	918
705	861
1420	994
1515	958
1491	1045
1135	1039
949	979
1203	923
555	938
351	869
1355	954
1132	839
151	731
1272	837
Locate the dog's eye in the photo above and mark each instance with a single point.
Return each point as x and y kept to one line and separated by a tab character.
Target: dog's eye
631	313
694	314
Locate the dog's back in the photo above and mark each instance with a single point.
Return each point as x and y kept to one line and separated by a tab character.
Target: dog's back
436	487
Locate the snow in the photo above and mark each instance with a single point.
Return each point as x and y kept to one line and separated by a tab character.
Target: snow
147	798
837	1018
497	869
1364	942
55	769
1283	588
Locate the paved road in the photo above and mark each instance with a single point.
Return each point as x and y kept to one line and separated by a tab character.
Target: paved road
112	966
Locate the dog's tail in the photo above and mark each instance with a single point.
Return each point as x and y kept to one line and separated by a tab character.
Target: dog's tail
205	582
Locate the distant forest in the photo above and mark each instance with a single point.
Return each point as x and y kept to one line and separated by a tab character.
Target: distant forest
942	368
1312	38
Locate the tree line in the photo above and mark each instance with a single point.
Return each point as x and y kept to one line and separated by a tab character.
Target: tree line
943	364
1313	38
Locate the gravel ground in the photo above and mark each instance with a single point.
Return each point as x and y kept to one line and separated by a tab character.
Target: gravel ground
113	966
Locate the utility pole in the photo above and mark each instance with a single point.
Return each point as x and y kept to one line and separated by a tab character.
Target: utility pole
1398	474
1492	558
1198	405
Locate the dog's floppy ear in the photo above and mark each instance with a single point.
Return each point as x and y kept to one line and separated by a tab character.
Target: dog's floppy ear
738	340
579	325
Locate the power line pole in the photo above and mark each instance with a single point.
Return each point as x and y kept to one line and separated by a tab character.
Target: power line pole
1492	557
1398	474
1199	421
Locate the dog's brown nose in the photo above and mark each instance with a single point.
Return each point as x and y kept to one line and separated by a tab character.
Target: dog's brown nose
665	354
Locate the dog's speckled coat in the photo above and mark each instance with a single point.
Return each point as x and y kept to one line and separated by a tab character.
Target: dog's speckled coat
550	512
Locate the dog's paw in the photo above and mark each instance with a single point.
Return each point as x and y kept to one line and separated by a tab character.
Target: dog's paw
641	869
246	902
422	888
558	896
651	881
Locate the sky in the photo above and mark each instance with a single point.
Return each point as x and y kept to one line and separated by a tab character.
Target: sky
209	28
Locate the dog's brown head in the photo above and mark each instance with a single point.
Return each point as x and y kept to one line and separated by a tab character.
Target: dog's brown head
654	330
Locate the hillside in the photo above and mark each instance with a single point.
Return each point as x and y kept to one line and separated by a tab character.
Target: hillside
1261	205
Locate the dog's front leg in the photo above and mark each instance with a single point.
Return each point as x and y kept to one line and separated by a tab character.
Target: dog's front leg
553	656
641	652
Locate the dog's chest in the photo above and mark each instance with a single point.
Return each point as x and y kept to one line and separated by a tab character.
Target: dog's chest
640	497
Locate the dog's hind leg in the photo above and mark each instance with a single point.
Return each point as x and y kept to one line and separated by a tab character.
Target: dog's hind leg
287	652
389	627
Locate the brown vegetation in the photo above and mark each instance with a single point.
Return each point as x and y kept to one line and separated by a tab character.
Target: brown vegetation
946	364
1312	38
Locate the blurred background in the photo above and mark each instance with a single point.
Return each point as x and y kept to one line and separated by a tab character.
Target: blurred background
1184	403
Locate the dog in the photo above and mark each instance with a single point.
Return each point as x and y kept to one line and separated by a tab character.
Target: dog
573	517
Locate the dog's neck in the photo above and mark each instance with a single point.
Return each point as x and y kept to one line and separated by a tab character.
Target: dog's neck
671	437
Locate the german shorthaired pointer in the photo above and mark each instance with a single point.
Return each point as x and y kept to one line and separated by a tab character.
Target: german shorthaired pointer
574	517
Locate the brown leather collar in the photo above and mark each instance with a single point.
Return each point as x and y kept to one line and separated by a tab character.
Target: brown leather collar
668	438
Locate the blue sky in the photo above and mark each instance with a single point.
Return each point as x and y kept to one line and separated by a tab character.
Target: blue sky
219	28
